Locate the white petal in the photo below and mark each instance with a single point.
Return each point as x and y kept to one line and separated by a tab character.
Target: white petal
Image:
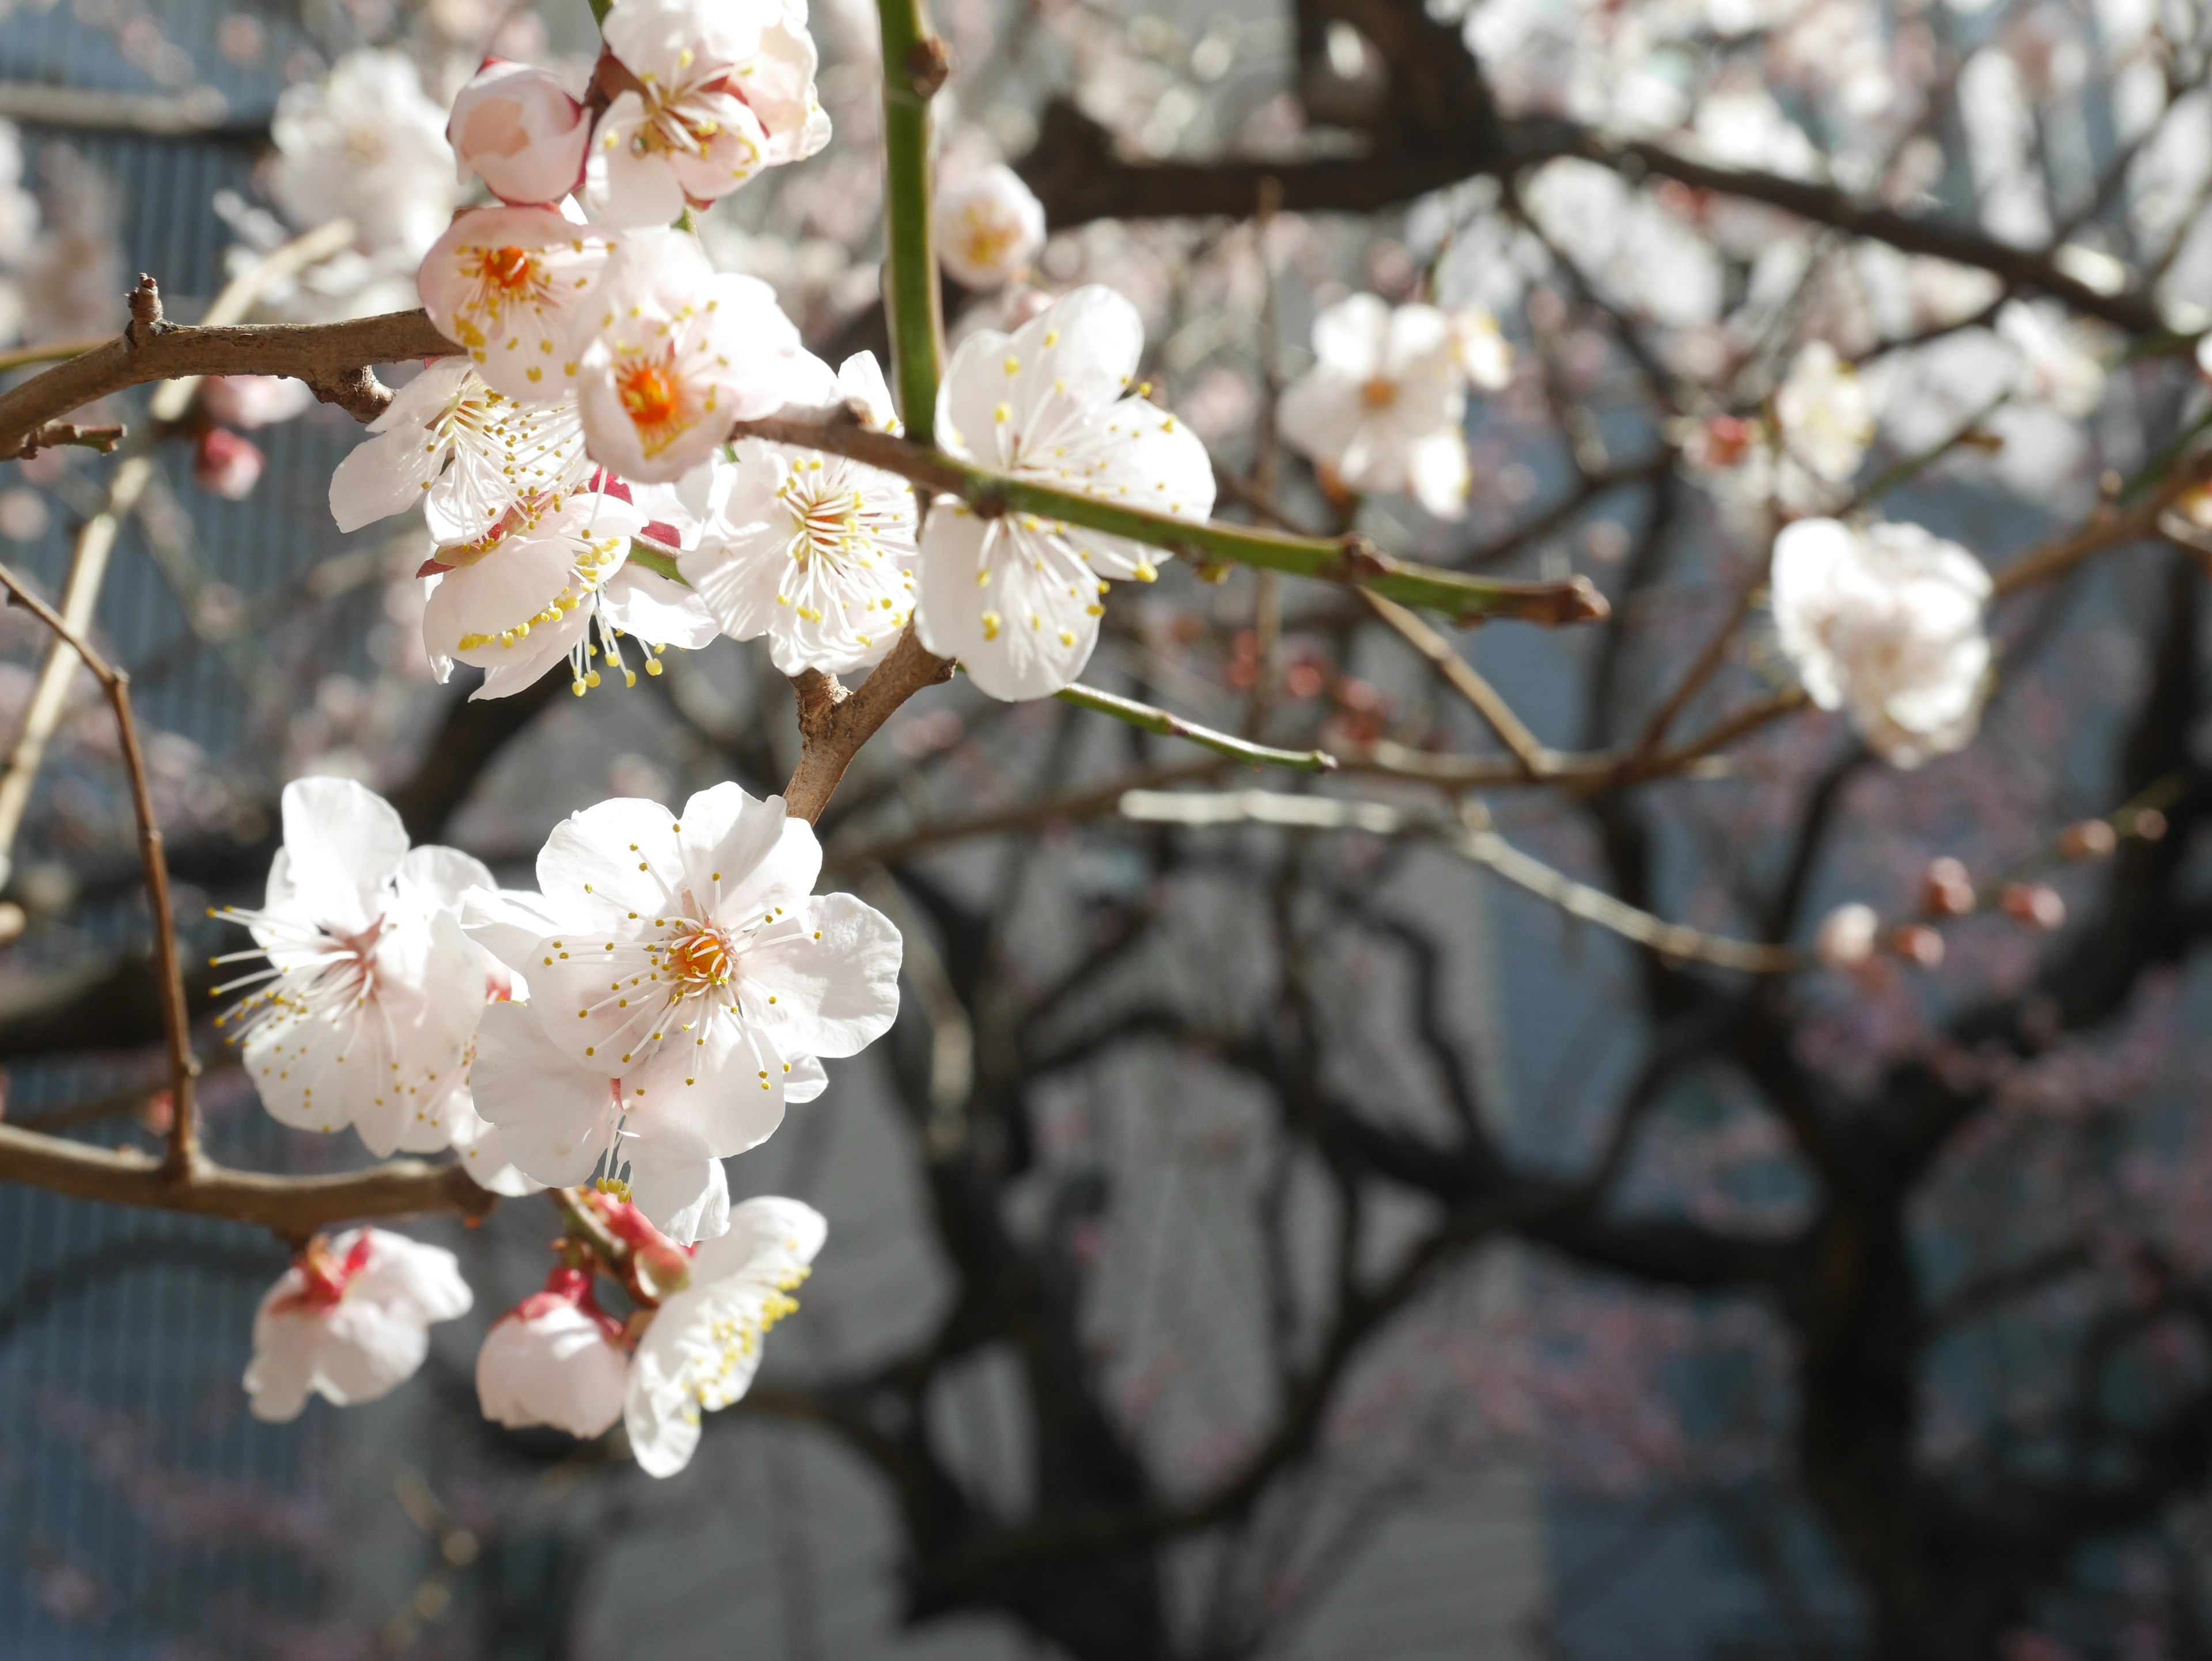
834	979
343	842
555	1117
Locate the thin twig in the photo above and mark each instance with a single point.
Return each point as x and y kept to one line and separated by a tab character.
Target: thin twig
1708	661
1174	726
1535	758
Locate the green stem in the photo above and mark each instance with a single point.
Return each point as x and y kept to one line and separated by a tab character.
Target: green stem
599	10
1174	726
913	67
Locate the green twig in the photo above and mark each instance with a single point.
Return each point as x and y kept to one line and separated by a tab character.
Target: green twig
915	65
1174	726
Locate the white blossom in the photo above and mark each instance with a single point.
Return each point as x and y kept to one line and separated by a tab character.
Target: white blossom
349	1320
1886	623
720	91
363	1016
1380	409
519	602
989	226
814	552
703	1347
1826	413
682	982
1016	599
1481	349
669	352
1847	935
469	454
515	127
2054	367
254	401
555	1359
505	283
367	143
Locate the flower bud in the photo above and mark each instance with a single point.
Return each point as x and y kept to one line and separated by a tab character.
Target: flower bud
226	464
2035	904
252	401
2148	824
1847	936
1947	891
1919	945
2092	839
988	228
555	1359
514	127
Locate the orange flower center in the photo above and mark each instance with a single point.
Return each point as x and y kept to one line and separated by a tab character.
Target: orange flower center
507	268
654	400
1379	393
702	956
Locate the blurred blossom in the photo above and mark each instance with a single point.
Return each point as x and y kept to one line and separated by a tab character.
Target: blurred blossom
24	515
1220	406
73	274
1885	622
2055	369
226	464
1846	937
1380	409
254	401
2036	904
1947	889
1481	349
1826	412
367	143
349	1321
989	226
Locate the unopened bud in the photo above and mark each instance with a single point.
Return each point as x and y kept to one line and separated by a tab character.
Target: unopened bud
1847	936
1727	440
1917	943
226	464
1947	891
2035	904
2092	839
664	1268
2148	824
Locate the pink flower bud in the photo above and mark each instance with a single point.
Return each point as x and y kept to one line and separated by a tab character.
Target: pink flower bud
2036	906
555	1359
2092	839
518	130
226	464
2149	824
1847	936
1919	945
252	401
1947	891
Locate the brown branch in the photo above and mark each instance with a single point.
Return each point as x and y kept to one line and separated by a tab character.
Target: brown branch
834	723
331	358
176	1022
292	1207
1535	758
56	433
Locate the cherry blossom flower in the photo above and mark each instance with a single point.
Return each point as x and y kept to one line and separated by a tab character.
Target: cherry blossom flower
1381	407
505	283
250	402
683	982
366	143
349	1321
525	597
1847	935
227	466
1481	349
468	453
713	95
1826	413
703	1347
1886	623
815	551
989	226
669	352
2054	368
555	1359
514	127
364	1014
1018	598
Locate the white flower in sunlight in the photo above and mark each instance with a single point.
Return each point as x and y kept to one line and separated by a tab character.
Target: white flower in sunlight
526	597
1885	623
669	352
1016	599
716	93
2054	368
701	1351
466	453
515	127
555	1359
364	1014
815	551
365	143
1826	412
505	283
682	981
1382	407
1481	349
989	226
483	1147
349	1320
1847	936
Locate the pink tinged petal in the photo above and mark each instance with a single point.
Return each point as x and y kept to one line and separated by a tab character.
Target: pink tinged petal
342	843
557	1368
686	1198
709	1089
401	1271
283	1370
508	923
368	1350
834	979
555	1116
516	128
627	189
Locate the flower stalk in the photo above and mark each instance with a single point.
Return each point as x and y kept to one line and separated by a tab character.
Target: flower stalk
915	64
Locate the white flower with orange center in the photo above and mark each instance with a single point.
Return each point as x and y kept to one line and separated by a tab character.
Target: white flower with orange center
684	979
1017	597
364	1013
989	228
505	283
1826	413
669	352
702	99
467	452
1381	407
814	552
